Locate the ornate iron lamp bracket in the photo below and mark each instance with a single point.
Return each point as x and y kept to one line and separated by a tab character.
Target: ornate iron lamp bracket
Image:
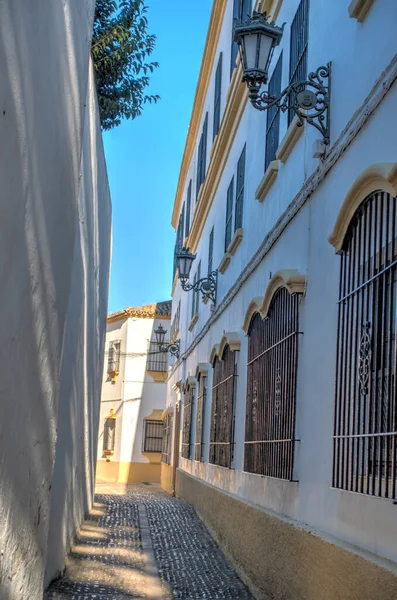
173	348
310	100
205	285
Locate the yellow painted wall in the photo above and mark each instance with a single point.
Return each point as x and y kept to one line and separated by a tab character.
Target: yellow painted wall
166	478
128	472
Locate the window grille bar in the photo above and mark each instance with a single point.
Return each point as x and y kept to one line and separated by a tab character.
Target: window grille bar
275	346
224	381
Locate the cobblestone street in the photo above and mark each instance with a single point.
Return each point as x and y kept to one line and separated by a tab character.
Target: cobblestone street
138	542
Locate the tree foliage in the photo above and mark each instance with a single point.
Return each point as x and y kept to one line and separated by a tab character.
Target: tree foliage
121	50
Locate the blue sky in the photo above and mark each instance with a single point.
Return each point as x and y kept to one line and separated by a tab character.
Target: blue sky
144	157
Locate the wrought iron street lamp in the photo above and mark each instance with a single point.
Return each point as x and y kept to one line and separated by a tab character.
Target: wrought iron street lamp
172	348
308	99
206	285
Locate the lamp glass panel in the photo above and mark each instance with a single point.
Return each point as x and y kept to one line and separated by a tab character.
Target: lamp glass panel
160	334
266	44
185	264
250	41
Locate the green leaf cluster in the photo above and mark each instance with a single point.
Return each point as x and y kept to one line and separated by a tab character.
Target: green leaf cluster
121	51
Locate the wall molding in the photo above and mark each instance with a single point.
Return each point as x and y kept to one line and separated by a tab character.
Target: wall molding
267	180
354	126
358	9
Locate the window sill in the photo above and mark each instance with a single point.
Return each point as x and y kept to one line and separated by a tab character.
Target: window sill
268	179
289	140
193	322
158	376
235	241
358	9
224	262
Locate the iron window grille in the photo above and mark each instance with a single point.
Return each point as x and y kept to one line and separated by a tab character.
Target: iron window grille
273	115
175	323
298	48
200	415
202	156
229	214
242	9
271	388
365	427
210	251
188	205
217	97
114	356
167	440
238	218
153	440
222	410
109	434
156	360
187	422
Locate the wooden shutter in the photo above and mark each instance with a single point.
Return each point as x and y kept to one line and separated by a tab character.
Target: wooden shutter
273	115
210	251
229	213
188	204
298	47
217	97
238	219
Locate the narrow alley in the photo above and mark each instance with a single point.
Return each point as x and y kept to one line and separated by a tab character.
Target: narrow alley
139	542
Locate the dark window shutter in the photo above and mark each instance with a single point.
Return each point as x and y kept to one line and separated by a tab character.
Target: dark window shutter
217	97
210	251
298	47
241	10
238	219
229	213
188	204
273	115
202	156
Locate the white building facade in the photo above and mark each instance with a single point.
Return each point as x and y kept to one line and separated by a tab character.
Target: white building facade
133	395
283	402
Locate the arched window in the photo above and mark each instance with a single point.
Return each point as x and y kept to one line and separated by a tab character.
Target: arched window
222	410
201	402
187	420
365	431
271	388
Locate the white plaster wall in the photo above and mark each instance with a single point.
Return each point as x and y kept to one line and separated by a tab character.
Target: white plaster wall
359	53
112	393
43	271
83	349
141	393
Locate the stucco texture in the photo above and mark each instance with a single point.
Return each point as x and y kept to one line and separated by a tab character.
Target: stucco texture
280	560
54	265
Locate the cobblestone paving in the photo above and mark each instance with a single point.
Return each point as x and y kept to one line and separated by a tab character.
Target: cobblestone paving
108	559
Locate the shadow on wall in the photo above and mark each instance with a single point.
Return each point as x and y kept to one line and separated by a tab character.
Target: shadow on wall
42	100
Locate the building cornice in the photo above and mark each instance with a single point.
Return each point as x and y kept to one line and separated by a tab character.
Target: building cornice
149	311
220	152
236	102
360	118
213	35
